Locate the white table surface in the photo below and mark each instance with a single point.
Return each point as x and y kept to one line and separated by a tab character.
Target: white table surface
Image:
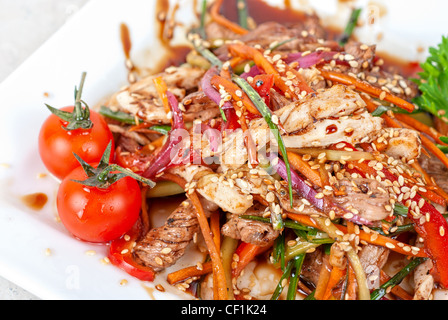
24	26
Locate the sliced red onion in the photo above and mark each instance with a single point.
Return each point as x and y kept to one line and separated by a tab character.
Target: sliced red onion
254	71
313	58
210	91
170	154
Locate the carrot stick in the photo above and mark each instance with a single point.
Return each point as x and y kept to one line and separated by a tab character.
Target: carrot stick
161	88
218	81
217	17
428	144
189	272
218	270
421	127
232	89
335	277
215	227
367	88
372	238
304	168
351	285
324	278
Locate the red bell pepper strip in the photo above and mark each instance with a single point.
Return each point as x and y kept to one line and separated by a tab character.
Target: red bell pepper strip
263	83
433	229
120	255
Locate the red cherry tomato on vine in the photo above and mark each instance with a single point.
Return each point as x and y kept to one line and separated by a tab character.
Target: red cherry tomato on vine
57	145
98	214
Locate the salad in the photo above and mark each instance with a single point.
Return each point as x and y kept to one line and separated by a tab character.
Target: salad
300	161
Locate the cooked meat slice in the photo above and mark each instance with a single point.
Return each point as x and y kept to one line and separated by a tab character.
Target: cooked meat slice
362	54
424	281
215	188
131	135
249	231
162	247
322	133
435	169
404	144
299	205
142	100
392	80
317	121
312	265
367	198
199	106
337	101
373	258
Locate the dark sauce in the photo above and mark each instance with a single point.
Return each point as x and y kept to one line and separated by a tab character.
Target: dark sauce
125	40
332	128
35	201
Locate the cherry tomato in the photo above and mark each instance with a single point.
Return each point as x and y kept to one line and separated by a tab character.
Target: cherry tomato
57	145
95	214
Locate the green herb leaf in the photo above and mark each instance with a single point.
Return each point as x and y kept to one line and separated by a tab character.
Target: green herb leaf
433	81
350	27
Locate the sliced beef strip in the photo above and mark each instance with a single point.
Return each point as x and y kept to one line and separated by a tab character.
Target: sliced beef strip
367	197
249	231
162	247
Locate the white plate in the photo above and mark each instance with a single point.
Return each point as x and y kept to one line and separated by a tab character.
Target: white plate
90	42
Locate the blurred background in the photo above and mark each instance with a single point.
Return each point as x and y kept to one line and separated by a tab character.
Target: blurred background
24	26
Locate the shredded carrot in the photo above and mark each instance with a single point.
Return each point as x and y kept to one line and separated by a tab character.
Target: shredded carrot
215	227
432	148
218	270
367	88
421	127
335	277
250	53
304	168
161	88
235	61
190	272
371	106
239	99
352	286
234	91
324	279
372	238
217	17
153	145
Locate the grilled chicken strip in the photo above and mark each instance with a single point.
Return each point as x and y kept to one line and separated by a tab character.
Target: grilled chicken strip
215	187
317	121
373	258
403	144
142	100
351	129
162	247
